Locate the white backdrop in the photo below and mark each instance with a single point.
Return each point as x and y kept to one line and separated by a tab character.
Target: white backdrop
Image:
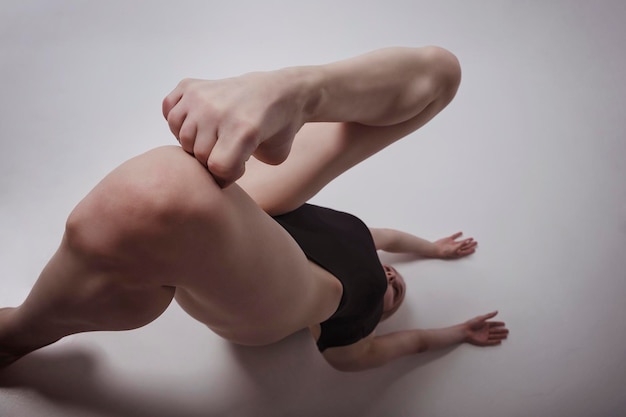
529	159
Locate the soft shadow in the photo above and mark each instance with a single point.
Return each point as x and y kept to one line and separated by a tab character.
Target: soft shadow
289	378
399	258
76	378
295	380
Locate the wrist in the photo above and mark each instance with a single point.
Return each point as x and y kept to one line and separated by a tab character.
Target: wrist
435	251
463	332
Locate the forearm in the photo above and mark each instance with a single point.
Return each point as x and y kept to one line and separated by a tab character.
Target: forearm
396	241
410	342
383	87
433	339
373	352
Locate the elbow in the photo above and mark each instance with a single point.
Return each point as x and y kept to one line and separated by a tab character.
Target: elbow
422	347
422	343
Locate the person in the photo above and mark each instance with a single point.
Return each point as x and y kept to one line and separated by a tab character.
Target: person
222	225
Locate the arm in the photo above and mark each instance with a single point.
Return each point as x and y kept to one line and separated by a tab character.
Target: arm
224	122
395	241
375	351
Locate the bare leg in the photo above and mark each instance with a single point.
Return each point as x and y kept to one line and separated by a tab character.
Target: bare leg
88	284
323	151
156	227
77	294
159	226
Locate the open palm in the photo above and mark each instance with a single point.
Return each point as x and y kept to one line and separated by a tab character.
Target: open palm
481	332
450	248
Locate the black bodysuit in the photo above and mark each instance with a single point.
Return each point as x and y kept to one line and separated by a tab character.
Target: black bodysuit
343	245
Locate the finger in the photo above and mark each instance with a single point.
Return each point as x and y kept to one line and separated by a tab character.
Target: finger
496	324
171	100
187	136
176	118
227	179
204	143
456	235
488	316
469	242
468	249
465	252
472	246
498	330
225	170
228	157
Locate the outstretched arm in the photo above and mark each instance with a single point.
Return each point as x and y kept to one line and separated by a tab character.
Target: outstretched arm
375	351
395	241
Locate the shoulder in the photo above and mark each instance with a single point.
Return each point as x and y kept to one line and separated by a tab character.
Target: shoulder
382	237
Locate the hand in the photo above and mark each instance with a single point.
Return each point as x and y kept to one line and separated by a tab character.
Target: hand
449	248
481	332
222	123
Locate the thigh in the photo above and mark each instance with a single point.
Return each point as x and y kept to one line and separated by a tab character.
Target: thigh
248	280
320	153
167	222
162	219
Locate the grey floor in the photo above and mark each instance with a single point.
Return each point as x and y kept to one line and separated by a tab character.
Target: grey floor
529	159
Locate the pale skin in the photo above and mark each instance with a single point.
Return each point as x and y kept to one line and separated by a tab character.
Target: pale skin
191	222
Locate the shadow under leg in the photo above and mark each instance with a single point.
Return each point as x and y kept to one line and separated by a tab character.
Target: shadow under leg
75	294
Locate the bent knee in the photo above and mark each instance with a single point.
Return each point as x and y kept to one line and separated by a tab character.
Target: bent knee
445	70
141	201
